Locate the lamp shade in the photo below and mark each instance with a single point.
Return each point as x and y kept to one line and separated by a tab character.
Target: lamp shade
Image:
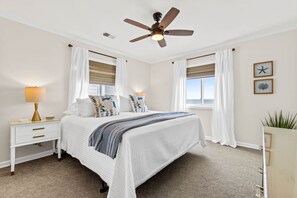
140	94
34	94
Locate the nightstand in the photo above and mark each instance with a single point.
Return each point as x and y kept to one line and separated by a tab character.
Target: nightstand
26	133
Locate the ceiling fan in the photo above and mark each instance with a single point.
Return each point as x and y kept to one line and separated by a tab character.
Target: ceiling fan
157	30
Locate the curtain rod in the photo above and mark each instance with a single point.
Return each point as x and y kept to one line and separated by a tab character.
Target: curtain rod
70	45
203	56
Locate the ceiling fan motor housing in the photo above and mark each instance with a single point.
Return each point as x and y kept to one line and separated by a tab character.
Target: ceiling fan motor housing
155	26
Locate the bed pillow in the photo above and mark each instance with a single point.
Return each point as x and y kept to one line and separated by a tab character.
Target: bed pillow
125	105
85	107
73	110
138	103
105	105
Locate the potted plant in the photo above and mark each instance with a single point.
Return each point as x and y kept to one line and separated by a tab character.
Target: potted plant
281	128
280	121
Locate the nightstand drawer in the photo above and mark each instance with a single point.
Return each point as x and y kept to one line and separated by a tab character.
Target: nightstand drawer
31	133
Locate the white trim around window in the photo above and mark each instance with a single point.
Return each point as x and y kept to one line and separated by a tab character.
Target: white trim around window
199	107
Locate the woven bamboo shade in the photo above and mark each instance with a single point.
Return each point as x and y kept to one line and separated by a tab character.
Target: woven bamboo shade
101	73
201	71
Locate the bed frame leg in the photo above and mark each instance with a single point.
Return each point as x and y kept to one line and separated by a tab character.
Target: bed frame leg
104	187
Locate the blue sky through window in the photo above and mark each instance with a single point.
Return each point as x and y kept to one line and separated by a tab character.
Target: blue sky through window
194	90
209	88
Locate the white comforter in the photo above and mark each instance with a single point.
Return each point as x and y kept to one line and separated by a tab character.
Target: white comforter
143	152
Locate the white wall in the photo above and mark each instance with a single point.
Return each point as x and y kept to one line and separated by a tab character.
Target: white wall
31	57
249	108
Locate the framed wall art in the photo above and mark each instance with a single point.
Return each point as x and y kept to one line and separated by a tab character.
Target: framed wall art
264	86
263	69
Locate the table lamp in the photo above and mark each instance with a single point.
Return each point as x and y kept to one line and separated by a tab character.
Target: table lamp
140	94
34	94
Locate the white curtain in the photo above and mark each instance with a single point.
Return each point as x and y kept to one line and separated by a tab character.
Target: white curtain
79	77
121	84
223	110
179	86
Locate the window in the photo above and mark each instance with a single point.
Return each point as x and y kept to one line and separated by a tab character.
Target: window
102	79
101	90
200	85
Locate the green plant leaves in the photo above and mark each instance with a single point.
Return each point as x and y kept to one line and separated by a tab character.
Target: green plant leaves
280	121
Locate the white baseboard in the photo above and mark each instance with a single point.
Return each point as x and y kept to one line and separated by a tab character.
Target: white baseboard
248	145
242	144
27	158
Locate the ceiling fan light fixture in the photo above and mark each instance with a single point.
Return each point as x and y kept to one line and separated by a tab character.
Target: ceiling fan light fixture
157	37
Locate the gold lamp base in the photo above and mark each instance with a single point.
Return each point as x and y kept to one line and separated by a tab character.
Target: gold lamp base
36	116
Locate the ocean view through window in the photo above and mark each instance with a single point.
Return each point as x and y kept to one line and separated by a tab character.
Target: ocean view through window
200	91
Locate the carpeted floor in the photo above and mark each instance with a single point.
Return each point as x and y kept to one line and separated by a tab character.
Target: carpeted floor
213	172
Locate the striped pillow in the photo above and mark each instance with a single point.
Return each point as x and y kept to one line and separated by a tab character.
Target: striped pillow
105	105
138	103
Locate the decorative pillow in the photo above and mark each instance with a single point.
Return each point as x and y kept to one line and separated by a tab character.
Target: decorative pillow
85	107
138	103
105	105
125	105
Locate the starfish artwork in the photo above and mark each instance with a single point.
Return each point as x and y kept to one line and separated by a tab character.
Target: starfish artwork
262	70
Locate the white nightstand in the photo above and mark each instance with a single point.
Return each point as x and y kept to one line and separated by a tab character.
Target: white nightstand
26	133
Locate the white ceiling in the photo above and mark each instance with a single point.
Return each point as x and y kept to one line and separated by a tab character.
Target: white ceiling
214	21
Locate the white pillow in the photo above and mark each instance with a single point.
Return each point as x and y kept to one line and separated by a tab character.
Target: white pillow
125	105
85	107
73	110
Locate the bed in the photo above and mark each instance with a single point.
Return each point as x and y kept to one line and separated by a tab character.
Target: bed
143	152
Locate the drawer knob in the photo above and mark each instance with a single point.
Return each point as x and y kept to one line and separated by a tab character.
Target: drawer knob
38	136
37	129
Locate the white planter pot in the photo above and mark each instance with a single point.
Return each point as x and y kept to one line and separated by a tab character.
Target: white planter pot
282	170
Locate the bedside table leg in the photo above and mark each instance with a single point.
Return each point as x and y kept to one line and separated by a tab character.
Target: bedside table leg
12	160
59	148
54	146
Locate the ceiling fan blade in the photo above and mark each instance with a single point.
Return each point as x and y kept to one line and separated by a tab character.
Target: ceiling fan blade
162	43
137	24
140	38
179	32
169	17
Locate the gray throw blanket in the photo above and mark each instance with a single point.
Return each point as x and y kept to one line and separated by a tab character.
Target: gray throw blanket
106	137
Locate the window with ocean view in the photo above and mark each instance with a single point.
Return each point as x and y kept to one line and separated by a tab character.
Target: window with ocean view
200	91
